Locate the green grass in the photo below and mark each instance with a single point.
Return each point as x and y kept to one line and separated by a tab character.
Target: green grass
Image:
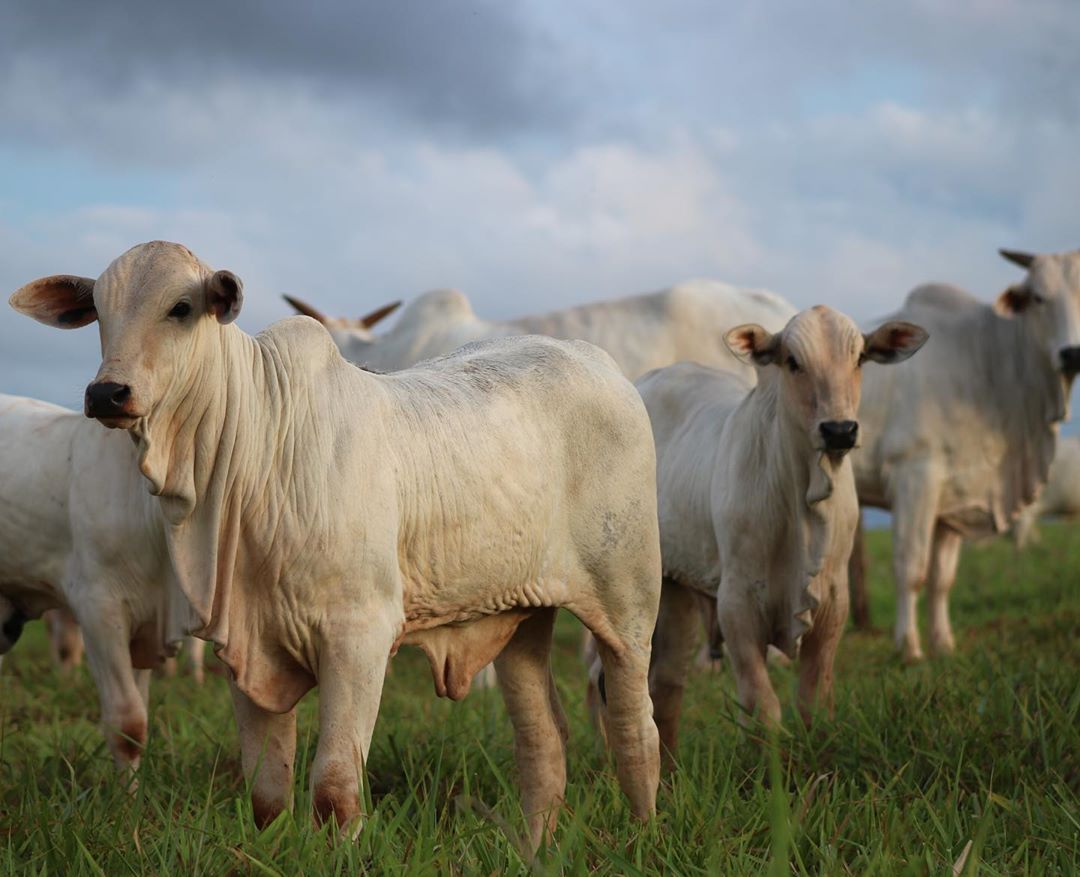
918	762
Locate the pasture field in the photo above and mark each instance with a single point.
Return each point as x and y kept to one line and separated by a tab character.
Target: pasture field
979	753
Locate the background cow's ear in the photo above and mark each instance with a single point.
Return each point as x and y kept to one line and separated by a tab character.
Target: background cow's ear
302	307
1014	300
752	344
224	296
63	301
379	314
1018	257
894	341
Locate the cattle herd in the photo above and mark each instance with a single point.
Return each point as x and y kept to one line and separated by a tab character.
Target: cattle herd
312	498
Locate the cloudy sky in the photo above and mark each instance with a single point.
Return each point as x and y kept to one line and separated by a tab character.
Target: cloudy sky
534	154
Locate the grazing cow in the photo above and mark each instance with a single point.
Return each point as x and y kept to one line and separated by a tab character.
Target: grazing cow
1061	496
961	438
641	332
757	503
79	533
318	516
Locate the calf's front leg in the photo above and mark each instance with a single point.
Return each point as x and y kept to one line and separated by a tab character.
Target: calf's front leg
268	753
747	645
352	667
818	651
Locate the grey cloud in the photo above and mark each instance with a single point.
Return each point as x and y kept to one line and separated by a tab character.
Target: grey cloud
474	67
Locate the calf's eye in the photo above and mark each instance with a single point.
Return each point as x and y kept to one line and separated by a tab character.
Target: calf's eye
180	310
792	365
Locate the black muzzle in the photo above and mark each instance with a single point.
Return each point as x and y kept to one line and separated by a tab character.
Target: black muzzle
839	435
106	399
1070	359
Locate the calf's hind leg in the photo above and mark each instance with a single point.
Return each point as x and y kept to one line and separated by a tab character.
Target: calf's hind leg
65	639
914	510
944	559
631	731
540	729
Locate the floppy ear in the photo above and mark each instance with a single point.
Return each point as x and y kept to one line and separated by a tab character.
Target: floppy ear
1018	257
752	344
305	309
380	314
894	341
224	296
1014	300
63	301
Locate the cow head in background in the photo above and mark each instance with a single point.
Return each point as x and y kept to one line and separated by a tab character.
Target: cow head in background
1049	300
359	328
434	323
820	354
158	308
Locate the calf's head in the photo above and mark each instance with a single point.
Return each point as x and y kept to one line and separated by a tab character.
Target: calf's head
1048	300
819	356
158	309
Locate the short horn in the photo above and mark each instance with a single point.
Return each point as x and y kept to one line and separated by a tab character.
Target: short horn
1018	257
380	314
306	309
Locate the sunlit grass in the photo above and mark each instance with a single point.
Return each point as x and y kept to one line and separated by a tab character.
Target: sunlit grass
983	749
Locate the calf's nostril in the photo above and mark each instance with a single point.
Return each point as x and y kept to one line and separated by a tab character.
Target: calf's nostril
839	434
107	399
1070	358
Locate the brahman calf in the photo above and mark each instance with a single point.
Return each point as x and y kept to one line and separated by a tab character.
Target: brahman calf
757	502
318	516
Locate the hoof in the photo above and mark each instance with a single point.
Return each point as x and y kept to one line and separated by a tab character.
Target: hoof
911	656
